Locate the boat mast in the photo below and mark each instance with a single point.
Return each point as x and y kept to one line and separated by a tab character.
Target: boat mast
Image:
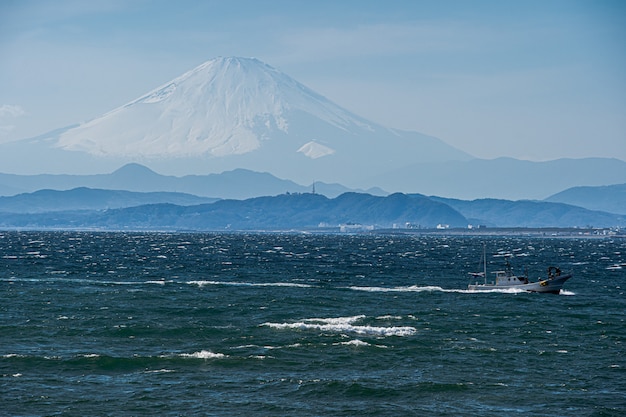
485	262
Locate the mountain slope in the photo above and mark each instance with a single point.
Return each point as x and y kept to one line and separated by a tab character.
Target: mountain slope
223	107
239	183
502	178
92	199
609	198
505	213
231	113
284	211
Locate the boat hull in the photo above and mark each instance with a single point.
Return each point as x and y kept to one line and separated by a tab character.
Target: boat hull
551	285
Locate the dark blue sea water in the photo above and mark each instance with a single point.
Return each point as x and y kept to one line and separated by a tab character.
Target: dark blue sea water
150	324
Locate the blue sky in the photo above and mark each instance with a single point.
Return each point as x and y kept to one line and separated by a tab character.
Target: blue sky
530	79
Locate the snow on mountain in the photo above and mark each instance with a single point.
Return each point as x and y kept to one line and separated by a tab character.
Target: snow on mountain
315	150
239	113
226	106
231	113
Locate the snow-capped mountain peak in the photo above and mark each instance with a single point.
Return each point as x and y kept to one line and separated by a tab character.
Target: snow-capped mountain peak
226	106
231	113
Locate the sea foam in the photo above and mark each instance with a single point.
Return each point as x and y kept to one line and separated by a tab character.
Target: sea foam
203	354
248	284
344	325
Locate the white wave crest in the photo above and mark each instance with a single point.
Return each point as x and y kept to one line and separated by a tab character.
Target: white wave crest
158	282
203	354
344	325
434	288
249	284
389	317
355	342
159	371
411	288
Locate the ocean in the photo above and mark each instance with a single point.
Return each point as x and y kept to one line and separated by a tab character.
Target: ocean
293	324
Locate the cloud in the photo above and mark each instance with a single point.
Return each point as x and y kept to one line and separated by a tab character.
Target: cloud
8	113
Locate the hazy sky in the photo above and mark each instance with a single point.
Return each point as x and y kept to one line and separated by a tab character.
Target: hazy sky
528	79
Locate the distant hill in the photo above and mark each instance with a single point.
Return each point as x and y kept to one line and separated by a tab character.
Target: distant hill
502	178
609	198
91	199
238	184
108	209
284	211
506	213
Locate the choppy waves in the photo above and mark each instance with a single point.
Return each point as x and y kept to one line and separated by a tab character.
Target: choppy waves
277	324
249	284
435	289
344	325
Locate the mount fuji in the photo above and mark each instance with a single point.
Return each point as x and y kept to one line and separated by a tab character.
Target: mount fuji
225	114
235	113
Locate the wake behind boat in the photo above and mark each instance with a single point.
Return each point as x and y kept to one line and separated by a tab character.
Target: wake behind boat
507	280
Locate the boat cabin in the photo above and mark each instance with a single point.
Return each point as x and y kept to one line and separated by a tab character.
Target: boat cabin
507	278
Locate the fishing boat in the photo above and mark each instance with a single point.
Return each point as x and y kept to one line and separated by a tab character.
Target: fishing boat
506	279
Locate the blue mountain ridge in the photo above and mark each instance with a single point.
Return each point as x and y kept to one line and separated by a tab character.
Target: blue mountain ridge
611	198
83	198
283	211
308	210
525	213
236	184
